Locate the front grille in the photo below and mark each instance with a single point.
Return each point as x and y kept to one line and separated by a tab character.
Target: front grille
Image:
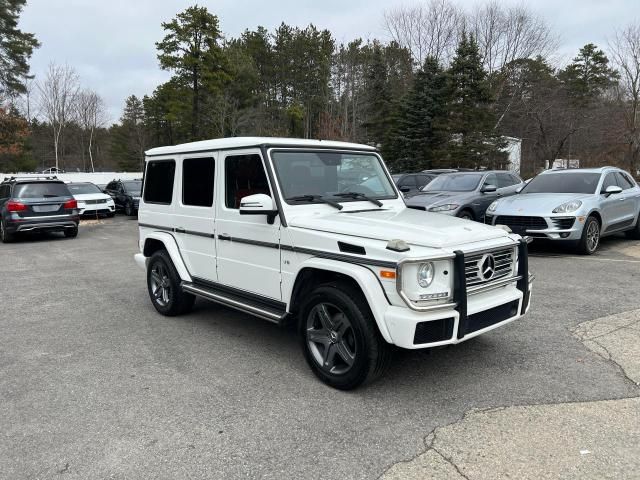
433	331
95	202
485	319
517	223
503	266
563	223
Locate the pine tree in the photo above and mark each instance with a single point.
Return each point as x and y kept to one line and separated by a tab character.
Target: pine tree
418	133
130	137
589	75
472	141
379	101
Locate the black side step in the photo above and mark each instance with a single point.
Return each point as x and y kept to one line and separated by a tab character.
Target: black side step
266	309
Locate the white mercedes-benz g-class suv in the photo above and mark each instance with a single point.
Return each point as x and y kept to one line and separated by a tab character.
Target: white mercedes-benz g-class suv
316	233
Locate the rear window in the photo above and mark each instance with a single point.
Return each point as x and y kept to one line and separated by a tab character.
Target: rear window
83	188
158	182
40	190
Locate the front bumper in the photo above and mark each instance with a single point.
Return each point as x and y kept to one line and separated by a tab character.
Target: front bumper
469	316
558	227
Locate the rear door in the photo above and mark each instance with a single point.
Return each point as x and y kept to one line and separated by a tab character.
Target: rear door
44	200
195	215
248	248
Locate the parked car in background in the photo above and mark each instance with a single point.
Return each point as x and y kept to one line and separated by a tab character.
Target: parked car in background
91	200
411	183
52	171
576	205
32	204
125	194
442	171
465	194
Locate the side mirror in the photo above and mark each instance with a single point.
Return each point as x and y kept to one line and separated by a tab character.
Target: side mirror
259	204
489	189
405	189
612	190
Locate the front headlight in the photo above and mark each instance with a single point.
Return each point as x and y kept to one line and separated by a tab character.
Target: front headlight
568	207
444	208
425	274
493	206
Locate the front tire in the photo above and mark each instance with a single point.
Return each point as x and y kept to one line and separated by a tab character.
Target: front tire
590	240
466	215
340	339
163	284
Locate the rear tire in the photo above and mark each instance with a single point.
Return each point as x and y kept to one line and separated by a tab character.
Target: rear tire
71	232
5	236
340	339
163	284
634	233
590	240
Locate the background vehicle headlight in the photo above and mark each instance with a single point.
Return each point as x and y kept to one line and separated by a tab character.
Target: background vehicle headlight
444	208
568	207
493	206
425	274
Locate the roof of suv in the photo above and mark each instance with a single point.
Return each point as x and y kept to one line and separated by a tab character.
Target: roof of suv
31	180
583	170
242	142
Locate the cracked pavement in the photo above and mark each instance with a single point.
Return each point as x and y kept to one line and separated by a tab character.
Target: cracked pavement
95	384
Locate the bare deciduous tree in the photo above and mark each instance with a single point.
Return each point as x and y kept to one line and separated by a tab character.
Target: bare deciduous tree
624	50
58	92
505	34
90	114
429	29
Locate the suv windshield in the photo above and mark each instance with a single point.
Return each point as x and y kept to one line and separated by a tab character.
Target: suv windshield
134	187
41	190
454	182
82	188
341	176
569	182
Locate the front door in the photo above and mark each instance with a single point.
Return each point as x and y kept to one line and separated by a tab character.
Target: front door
612	205
248	248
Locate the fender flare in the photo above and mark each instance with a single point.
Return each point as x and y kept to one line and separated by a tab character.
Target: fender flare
171	246
364	277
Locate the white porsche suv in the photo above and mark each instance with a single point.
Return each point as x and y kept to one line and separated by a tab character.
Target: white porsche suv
316	233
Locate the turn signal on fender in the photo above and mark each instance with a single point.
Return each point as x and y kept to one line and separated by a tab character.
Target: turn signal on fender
389	274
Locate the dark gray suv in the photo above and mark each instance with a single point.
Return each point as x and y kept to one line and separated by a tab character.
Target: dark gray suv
465	194
36	205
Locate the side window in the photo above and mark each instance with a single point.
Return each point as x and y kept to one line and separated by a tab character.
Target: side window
423	180
4	191
515	179
158	183
244	176
197	181
492	180
504	180
624	181
609	180
408	181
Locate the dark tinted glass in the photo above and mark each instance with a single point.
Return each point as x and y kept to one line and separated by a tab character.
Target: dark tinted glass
197	182
408	181
159	182
244	176
40	190
569	182
505	180
133	187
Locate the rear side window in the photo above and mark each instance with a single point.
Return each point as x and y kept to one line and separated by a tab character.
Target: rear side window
197	181
408	181
158	182
41	190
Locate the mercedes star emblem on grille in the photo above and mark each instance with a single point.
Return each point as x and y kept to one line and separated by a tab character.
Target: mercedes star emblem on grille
487	267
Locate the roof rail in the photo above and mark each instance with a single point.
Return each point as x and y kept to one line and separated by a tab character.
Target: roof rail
14	178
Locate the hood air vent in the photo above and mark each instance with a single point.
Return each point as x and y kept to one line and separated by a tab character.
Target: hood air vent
349	248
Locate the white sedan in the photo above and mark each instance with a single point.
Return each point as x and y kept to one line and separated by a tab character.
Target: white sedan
91	200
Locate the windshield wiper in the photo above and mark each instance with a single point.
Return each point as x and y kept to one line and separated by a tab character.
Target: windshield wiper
314	198
356	195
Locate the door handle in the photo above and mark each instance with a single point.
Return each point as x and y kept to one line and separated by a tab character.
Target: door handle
224	236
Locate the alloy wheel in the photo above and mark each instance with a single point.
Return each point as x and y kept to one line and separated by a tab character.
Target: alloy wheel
160	285
330	338
593	236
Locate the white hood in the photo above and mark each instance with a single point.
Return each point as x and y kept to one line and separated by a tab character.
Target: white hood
81	197
413	226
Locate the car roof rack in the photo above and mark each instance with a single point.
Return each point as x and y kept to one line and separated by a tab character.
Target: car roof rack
15	178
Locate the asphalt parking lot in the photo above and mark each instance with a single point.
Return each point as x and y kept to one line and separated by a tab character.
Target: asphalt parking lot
95	384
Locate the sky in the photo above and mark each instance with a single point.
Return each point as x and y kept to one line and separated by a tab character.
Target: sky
111	44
